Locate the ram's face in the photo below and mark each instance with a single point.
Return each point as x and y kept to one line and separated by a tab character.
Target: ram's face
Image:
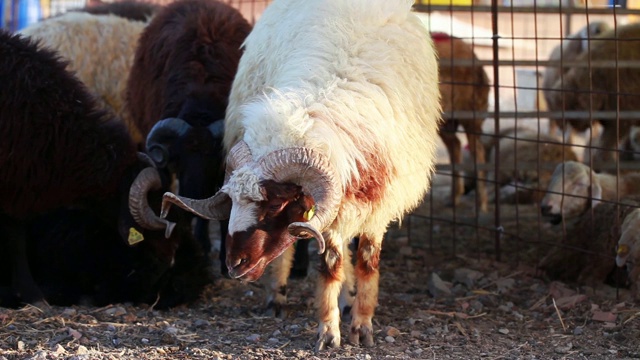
258	230
567	195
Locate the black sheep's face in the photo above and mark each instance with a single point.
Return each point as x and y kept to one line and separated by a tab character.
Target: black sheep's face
260	235
198	162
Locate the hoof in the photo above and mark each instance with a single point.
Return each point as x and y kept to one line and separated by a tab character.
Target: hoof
327	340
361	336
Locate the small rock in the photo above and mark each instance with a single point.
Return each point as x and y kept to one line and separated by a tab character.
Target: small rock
436	286
40	355
69	312
578	330
144	340
505	284
58	349
171	330
294	327
273	340
604	316
467	277
249	293
75	334
20	345
82	350
418	351
504	308
518	316
415	333
253	337
564	349
391	331
11	327
111	328
503	331
276	333
200	323
476	305
389	339
115	311
413	321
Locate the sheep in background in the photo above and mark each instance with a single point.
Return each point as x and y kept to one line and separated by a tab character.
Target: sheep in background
331	130
178	92
462	88
527	158
597	88
574	187
131	10
99	50
568	50
628	250
586	254
57	149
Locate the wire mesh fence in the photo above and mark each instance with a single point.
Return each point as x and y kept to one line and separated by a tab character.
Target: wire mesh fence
540	146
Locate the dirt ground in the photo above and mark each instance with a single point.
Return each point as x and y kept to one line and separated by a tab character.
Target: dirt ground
476	307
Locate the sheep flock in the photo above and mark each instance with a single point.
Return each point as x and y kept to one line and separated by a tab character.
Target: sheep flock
130	126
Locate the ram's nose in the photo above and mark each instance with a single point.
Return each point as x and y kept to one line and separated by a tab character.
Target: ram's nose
545	210
236	266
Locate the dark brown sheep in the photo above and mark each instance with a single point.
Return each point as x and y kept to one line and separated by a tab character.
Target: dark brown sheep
132	10
178	90
463	88
57	149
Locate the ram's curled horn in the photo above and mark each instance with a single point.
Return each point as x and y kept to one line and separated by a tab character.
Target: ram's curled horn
314	173
217	207
146	159
163	133
148	179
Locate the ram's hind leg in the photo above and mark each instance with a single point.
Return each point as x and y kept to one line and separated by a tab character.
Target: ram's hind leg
367	276
329	285
276	284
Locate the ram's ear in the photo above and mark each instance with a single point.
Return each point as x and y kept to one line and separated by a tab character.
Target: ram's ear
596	194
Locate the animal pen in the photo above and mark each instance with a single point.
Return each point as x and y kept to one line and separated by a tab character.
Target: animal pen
537	181
508	114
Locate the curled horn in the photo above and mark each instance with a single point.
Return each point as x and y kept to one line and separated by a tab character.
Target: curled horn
313	172
148	179
217	207
161	135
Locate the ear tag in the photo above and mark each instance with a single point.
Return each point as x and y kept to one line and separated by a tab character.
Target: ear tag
622	250
308	215
134	236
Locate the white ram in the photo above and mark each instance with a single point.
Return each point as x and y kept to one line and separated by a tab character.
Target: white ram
335	111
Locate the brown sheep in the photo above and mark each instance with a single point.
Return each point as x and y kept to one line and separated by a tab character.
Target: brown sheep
598	89
463	88
567	50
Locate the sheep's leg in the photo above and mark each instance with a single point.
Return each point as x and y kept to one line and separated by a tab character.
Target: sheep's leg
327	291
276	286
22	281
477	150
348	292
367	276
453	145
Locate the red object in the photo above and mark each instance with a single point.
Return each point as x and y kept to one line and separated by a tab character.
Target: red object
440	36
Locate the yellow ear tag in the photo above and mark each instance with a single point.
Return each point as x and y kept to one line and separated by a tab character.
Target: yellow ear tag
134	236
623	249
309	213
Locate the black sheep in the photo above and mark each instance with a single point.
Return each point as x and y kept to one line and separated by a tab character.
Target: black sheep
57	150
178	90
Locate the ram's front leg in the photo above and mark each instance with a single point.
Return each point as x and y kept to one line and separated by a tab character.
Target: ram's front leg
276	283
327	291
367	276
